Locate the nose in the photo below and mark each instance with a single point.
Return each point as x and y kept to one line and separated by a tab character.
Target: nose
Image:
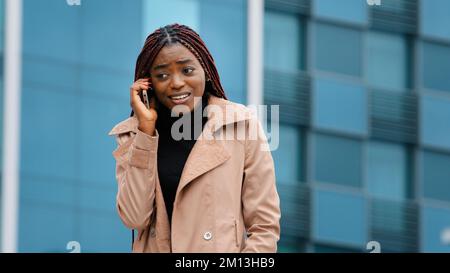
177	81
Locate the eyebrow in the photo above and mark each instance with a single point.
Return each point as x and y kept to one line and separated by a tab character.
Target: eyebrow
183	61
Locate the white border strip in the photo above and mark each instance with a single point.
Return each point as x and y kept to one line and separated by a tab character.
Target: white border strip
255	43
11	124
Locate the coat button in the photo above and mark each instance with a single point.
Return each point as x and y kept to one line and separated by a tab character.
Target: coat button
152	232
207	236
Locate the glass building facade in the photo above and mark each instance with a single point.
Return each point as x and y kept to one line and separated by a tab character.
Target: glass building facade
364	97
364	110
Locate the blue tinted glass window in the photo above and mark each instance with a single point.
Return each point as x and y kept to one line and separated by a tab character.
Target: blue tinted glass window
45	228
435	117
322	248
294	247
436	176
55	36
339	218
387	61
436	66
338	49
387	170
105	84
41	72
98	116
397	6
337	160
51	192
435	18
340	106
288	156
282	41
91	240
435	228
48	139
223	27
354	11
70	100
393	223
109	28
159	13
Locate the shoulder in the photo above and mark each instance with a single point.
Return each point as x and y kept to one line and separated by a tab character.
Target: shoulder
228	104
247	124
230	112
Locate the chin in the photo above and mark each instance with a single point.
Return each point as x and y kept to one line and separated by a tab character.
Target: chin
182	108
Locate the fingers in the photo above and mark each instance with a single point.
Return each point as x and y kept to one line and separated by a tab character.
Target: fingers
144	81
141	84
153	103
139	106
135	90
138	86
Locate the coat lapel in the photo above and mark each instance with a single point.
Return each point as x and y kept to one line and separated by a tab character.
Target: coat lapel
208	153
205	156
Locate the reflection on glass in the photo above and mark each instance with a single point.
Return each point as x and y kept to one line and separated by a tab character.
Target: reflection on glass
283	41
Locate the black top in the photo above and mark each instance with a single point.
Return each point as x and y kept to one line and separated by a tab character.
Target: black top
172	154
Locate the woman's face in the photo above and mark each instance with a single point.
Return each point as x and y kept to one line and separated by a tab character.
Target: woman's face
177	77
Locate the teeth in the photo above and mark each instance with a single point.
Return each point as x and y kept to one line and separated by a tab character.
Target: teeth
180	97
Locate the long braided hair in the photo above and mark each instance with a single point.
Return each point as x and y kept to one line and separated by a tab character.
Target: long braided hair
172	34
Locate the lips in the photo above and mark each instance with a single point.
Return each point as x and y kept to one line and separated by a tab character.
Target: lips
180	98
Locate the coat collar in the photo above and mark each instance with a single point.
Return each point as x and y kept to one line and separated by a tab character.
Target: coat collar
207	153
237	112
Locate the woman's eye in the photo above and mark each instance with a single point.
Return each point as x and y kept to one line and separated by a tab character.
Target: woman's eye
161	76
188	70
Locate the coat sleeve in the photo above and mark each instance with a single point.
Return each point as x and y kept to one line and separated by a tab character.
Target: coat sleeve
260	200
136	177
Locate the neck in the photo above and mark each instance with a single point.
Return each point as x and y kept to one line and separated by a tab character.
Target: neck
166	120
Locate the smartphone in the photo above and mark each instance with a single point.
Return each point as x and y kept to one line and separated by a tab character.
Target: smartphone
146	99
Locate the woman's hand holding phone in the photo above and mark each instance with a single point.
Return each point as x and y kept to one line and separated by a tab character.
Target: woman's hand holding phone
146	116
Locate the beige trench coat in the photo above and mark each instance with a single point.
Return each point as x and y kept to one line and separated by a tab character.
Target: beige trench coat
226	199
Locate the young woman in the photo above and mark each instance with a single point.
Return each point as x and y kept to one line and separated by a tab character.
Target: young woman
197	193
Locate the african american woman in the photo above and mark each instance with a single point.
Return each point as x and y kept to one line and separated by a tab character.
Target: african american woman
199	192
